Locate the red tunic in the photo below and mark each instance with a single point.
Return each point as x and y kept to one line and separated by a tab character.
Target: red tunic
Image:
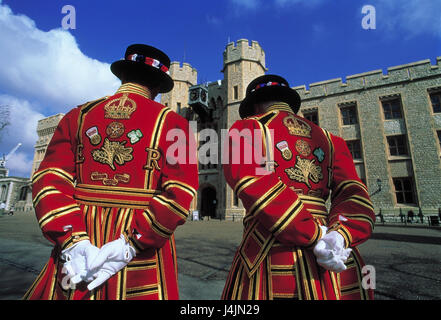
105	174
286	205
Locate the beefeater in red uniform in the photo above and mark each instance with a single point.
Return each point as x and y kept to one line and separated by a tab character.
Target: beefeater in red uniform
292	246
109	197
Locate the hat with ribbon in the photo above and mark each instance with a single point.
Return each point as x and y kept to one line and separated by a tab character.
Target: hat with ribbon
268	88
147	61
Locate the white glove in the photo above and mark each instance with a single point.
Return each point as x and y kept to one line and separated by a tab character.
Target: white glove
113	256
78	259
331	252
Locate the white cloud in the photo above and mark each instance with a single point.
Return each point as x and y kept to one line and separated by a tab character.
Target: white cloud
49	74
414	17
48	66
20	165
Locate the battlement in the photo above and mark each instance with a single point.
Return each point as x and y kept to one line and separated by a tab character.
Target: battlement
49	122
184	72
242	50
376	78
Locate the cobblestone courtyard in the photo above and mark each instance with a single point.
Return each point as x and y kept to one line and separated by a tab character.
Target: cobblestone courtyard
407	260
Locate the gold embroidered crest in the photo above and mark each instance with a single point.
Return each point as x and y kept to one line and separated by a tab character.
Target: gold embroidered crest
297	127
120	108
305	170
284	149
303	148
111	152
119	177
115	130
94	136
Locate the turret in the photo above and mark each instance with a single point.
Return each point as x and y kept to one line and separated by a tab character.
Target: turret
184	77
242	64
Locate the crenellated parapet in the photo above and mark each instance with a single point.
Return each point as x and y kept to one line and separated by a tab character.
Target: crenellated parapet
46	128
184	72
242	50
368	80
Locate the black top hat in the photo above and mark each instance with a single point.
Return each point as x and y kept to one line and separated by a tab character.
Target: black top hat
268	88
146	60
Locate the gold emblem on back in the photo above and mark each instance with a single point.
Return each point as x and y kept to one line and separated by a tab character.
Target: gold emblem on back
120	108
118	177
305	170
303	148
284	149
111	152
297	127
115	130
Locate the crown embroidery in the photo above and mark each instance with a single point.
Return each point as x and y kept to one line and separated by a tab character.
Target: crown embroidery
297	127
120	108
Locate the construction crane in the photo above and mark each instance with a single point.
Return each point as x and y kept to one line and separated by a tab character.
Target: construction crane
6	158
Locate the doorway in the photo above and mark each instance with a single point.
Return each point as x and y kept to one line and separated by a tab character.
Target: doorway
209	202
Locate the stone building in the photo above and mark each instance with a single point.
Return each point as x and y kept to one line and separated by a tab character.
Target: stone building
391	122
392	125
15	193
45	130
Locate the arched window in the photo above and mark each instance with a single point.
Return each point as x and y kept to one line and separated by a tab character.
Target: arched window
219	104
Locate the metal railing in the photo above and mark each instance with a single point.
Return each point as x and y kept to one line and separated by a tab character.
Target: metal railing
409	217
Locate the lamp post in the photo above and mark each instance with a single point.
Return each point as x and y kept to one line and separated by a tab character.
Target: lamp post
379	183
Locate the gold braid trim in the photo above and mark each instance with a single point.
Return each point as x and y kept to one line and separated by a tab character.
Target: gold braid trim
56	171
57	213
46	191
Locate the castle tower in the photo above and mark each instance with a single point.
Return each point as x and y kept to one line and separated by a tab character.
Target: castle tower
242	64
184	77
45	130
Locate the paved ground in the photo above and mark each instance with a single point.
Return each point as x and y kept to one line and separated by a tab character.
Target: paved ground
407	260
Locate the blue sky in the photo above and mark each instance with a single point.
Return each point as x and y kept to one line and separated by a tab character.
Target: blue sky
46	70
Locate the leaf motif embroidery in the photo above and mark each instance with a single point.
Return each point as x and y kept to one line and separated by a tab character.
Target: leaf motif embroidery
304	170
111	152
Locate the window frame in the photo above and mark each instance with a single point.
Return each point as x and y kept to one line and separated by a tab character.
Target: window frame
437	94
404	192
355	116
235	92
311	113
350	144
391	112
405	145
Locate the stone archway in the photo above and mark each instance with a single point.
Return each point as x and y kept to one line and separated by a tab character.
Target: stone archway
209	202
